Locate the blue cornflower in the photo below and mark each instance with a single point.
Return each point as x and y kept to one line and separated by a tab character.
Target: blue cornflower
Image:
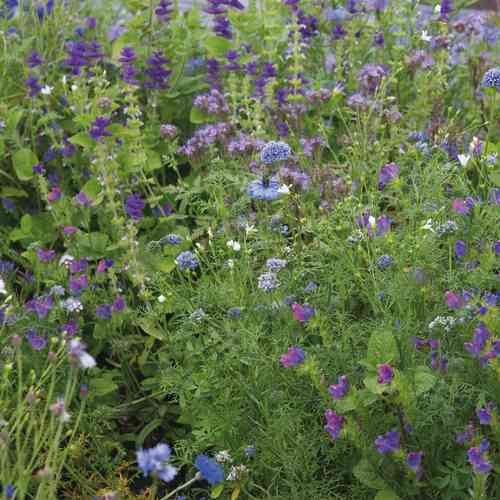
491	79
154	461
275	151
209	469
268	282
171	239
261	189
274	265
187	260
234	312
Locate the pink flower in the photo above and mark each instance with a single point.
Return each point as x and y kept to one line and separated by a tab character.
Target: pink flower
302	313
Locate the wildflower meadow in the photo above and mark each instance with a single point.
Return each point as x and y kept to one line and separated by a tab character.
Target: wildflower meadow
249	250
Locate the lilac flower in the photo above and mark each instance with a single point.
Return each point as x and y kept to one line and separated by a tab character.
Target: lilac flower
477	460
211	103
82	199
384	262
484	414
128	72
414	462
467	435
98	129
77	352
334	423
387	443
45	255
274	152
154	461
385	374
168	131
312	145
54	194
37	342
274	265
339	390
103	311
134	206
118	305
302	313
453	300
462	206
187	260
293	357
104	265
387	174
371	75
156	74
491	79
460	249
78	283
78	265
446	8
209	469
41	306
480	337
58	409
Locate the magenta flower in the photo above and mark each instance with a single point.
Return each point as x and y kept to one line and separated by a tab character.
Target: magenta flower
70	229
294	356
334	423
453	300
385	374
54	194
462	206
339	390
387	174
302	313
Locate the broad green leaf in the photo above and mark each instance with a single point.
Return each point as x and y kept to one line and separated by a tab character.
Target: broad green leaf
367	475
382	348
23	161
217	46
104	384
92	188
153	160
92	244
149	327
82	139
197	116
217	490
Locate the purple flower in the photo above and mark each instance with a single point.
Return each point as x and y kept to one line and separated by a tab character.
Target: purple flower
453	300
293	357
445	9
54	194
104	265
477	460
78	283
384	262
414	462
275	151
156	74
41	306
387	443
134	206
164	10
387	174
103	311
128	72
34	59
460	249
98	129
467	435
82	54
462	206
37	341
339	390
496	247
385	374
302	313
33	86
168	131
484	415
210	470
82	199
45	255
481	336
491	79
371	75
118	305
334	423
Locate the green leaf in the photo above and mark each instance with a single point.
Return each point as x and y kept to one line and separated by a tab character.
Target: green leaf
424	380
12	192
382	348
367	475
217	46
217	490
153	160
23	161
149	327
197	116
386	495
92	188
495	178
104	384
146	431
92	244
373	386
82	139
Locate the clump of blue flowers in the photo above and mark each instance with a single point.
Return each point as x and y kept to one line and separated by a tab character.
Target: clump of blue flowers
187	260
154	461
264	189
275	151
491	79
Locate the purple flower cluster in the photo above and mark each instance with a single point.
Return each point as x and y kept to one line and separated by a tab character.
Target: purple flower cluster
134	206
82	54
244	145
339	390
154	461
128	72
164	10
211	103
387	174
98	129
388	442
478	459
334	423
156	74
204	137
480	340
371	75
293	357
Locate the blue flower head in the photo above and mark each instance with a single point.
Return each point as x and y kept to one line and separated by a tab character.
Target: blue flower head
187	260
154	461
275	151
209	469
491	79
262	190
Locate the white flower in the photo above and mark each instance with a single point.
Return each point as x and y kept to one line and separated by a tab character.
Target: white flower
428	225
425	36
223	456
66	259
59	410
162	299
3	291
77	351
72	305
234	245
437	9
463	159
64	80
74	88
47	90
249	229
230	263
284	189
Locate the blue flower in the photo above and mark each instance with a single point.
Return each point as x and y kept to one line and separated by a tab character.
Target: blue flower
491	79
187	260
209	469
275	151
261	189
384	262
154	461
171	239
